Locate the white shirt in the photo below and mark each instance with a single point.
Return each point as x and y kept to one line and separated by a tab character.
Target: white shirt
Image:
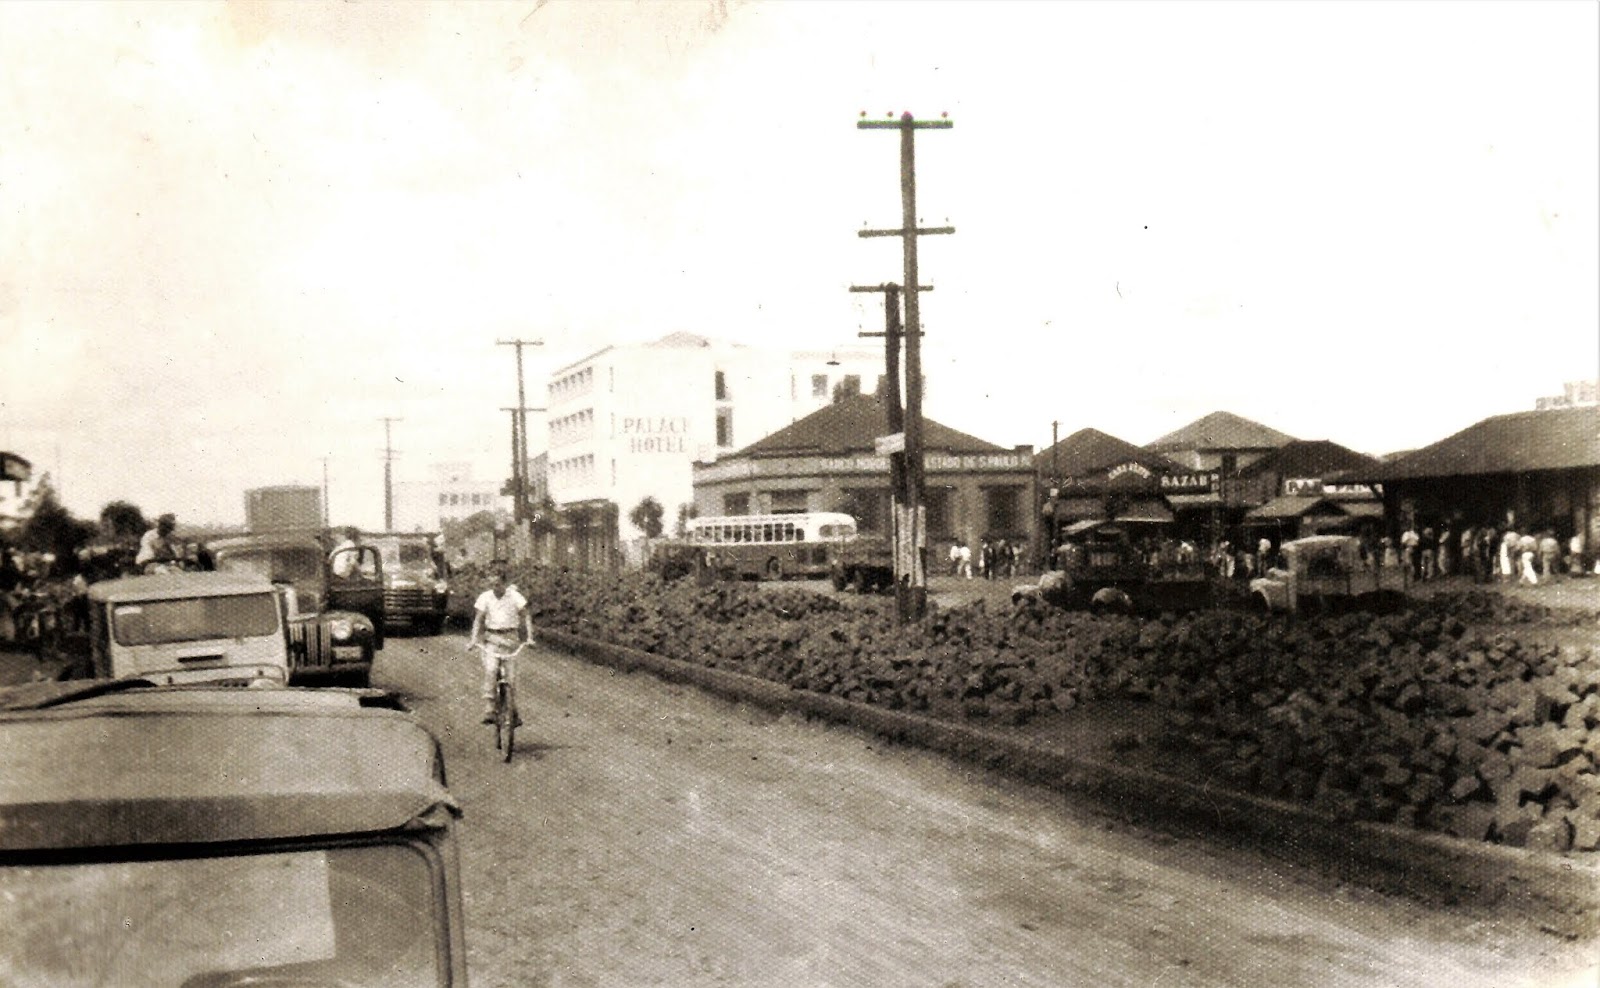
345	564
154	546
502	613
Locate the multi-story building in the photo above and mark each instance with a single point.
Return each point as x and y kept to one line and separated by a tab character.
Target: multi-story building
452	494
629	421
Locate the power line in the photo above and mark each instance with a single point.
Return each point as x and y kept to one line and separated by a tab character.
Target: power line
519	436
388	472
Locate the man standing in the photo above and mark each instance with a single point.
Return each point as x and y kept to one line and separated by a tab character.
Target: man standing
497	618
155	545
345	556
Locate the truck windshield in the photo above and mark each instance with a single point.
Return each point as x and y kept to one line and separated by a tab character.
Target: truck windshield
156	622
413	557
342	916
295	564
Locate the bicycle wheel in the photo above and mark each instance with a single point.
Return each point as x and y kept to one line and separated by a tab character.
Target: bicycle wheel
506	724
499	711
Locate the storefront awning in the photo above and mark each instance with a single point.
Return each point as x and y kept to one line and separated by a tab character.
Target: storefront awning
1290	506
1068	509
1195	502
1150	510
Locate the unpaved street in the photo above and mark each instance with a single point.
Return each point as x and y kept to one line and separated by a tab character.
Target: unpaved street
646	834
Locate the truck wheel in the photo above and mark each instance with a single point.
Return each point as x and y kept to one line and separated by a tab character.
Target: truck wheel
774	569
838	580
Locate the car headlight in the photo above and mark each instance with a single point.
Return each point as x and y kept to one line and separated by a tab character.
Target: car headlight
441	587
340	630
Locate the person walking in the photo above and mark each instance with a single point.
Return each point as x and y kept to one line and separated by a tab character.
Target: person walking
1549	554
1527	549
1508	556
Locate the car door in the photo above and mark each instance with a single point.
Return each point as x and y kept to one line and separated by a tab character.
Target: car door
361	588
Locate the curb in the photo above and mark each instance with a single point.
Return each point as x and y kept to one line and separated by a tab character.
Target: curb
1559	892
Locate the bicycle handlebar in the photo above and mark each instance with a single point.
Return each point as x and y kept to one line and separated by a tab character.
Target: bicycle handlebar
505	655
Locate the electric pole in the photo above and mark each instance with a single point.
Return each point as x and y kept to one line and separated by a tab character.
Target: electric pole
910	515
892	333
324	492
519	436
388	474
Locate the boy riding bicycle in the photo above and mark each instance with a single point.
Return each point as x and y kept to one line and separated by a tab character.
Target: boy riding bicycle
500	622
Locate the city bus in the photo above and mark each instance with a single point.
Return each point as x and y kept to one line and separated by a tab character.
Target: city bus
771	546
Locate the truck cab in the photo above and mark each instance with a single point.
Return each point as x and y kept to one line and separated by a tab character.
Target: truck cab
188	628
416	580
335	602
196	837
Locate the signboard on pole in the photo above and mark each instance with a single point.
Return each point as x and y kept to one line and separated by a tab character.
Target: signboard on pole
910	536
894	442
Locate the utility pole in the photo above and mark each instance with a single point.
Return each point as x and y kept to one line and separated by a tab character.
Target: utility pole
388	474
324	492
915	575
519	436
892	333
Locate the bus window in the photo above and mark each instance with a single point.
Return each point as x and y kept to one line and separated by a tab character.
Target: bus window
789	533
766	533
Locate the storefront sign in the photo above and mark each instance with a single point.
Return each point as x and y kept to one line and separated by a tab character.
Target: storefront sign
1311	486
1129	467
864	463
656	434
1188	483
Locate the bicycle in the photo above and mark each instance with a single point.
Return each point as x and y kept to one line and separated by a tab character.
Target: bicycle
505	700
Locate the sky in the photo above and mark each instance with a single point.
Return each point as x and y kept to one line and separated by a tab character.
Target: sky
234	237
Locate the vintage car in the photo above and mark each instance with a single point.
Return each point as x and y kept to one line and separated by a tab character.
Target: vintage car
200	837
1321	573
416	581
187	628
1097	567
335	602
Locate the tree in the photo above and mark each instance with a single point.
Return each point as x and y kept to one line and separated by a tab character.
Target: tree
646	517
685	513
122	520
53	529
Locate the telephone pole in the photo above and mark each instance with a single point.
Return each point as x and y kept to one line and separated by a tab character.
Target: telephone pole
909	519
892	333
324	492
519	436
388	474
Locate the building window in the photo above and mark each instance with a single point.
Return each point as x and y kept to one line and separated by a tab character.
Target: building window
851	385
722	386
736	504
1002	511
789	502
724	427
937	500
869	506
819	385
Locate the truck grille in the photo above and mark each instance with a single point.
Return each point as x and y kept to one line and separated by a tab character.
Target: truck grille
407	600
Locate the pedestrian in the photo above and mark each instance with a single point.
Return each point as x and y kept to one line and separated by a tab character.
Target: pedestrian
1527	549
1428	554
966	560
1263	554
1468	557
1549	554
1508	556
955	559
1446	558
1575	555
500	622
1410	544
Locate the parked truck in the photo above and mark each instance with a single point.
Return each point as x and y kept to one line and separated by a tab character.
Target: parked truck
864	563
277	509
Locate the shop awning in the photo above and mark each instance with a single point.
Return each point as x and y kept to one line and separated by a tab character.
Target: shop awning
1195	502
1362	509
1076	508
1148	510
1291	506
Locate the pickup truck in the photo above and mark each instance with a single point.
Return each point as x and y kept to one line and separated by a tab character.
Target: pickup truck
862	562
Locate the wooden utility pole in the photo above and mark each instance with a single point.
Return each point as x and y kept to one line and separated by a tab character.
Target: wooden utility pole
324	492
892	333
910	514
519	437
388	474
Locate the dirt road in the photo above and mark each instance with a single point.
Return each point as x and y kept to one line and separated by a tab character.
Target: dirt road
648	835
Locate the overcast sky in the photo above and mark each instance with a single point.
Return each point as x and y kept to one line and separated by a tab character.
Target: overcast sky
232	237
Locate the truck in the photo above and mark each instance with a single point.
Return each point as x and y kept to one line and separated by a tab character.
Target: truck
862	562
277	509
1099	568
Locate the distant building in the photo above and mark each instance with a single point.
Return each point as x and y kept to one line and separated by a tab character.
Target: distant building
1308	487
827	462
1217	450
452	494
1528	470
629	421
1574	394
1091	475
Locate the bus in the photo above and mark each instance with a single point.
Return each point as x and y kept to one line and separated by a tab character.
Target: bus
771	546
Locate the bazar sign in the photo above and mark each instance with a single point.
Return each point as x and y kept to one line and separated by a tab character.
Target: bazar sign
1179	483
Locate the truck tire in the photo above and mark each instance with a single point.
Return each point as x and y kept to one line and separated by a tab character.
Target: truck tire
774	569
837	578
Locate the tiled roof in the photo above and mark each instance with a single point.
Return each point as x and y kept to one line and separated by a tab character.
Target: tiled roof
1312	458
1521	442
850	426
1221	430
1089	451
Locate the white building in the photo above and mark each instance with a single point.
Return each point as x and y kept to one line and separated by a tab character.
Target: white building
452	493
630	421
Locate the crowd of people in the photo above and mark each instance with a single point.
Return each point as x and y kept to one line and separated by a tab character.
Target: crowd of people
993	560
1489	554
